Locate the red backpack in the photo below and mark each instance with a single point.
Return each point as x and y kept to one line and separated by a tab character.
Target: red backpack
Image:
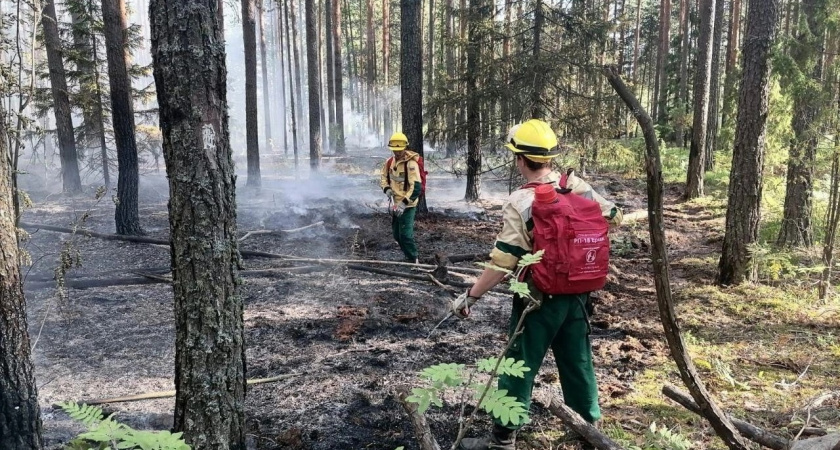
573	233
420	166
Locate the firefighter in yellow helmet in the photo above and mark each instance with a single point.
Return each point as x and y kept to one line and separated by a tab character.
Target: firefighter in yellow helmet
400	180
561	323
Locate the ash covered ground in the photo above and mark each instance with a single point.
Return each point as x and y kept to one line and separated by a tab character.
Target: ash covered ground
349	336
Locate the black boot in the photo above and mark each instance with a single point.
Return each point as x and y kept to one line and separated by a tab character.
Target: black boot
501	439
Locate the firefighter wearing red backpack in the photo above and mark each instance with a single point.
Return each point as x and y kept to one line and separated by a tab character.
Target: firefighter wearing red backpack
403	180
560	208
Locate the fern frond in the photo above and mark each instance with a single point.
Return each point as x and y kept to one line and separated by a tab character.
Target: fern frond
88	415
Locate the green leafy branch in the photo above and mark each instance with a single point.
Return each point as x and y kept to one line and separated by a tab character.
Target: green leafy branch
494	401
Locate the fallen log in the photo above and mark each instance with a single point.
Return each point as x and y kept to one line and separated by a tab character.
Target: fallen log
748	430
77	275
421	428
167	394
88	233
592	435
148	278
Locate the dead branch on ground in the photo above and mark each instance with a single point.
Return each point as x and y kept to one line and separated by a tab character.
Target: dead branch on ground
750	431
582	427
167	394
279	232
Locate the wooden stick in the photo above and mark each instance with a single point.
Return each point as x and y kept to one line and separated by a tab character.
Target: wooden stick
747	429
167	394
582	427
425	438
412	276
293	230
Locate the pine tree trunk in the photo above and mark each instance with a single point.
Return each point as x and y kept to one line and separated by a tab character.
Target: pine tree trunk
731	81
298	68
411	78
319	14
386	63
702	82
430	70
636	38
71	181
267	94
314	77
660	91
473	131
451	69
127	215
807	105
743	212
252	143
188	52
370	65
685	53
20	415
292	110
330	68
284	59
537	101
714	96
340	146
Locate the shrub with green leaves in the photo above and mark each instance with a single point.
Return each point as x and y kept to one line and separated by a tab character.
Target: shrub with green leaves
442	377
439	378
105	433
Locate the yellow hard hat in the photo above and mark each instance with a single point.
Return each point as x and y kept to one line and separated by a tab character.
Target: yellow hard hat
398	142
534	140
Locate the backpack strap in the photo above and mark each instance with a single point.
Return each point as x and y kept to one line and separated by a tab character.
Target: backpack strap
564	179
405	178
388	163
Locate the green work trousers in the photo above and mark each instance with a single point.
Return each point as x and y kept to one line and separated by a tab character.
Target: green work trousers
403	228
560	324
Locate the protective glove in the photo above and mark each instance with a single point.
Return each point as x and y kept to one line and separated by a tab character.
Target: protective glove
390	193
399	209
461	305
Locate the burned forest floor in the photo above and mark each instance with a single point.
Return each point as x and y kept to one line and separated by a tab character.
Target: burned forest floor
770	353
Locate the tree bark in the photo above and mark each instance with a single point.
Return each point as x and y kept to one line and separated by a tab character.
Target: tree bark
430	70
476	14
252	143
743	211
451	69
314	77
330	68
298	68
284	59
127	214
340	146
20	415
537	101
702	82
685	53
808	103
189	58
71	181
636	38
660	90
267	94
732	48
662	278
287	6
386	63
714	95
411	78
